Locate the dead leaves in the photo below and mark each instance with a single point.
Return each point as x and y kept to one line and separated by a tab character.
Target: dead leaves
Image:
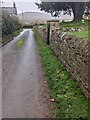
58	71
52	100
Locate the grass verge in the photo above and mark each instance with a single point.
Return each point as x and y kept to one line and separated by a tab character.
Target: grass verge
78	24
69	101
9	37
81	34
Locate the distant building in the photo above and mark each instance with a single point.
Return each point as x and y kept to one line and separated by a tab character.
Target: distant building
11	10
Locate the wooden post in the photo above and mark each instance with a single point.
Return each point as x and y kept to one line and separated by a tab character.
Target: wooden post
48	33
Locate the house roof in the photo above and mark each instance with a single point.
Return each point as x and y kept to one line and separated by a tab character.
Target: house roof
10	10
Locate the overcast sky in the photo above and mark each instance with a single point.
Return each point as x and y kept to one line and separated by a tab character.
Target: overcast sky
29	5
22	5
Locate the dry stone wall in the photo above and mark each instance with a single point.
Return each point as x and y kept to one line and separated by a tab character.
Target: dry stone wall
42	31
73	52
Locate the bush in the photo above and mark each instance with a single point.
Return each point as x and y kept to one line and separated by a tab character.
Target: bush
10	24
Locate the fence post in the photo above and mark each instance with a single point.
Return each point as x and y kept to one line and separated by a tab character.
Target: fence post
48	33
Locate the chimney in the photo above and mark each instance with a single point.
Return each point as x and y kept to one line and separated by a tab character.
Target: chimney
14	5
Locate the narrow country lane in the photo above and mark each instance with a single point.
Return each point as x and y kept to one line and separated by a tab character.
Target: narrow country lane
24	89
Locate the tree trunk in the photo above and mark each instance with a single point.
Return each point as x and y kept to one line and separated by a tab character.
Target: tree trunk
78	10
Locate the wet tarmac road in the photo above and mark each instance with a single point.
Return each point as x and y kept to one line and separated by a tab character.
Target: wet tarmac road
25	92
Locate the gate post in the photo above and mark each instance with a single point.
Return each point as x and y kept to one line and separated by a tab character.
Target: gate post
48	32
51	25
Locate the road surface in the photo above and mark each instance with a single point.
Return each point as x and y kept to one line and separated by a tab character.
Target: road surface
25	92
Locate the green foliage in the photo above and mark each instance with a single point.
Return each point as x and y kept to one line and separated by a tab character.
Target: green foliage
69	99
9	25
6	39
55	7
